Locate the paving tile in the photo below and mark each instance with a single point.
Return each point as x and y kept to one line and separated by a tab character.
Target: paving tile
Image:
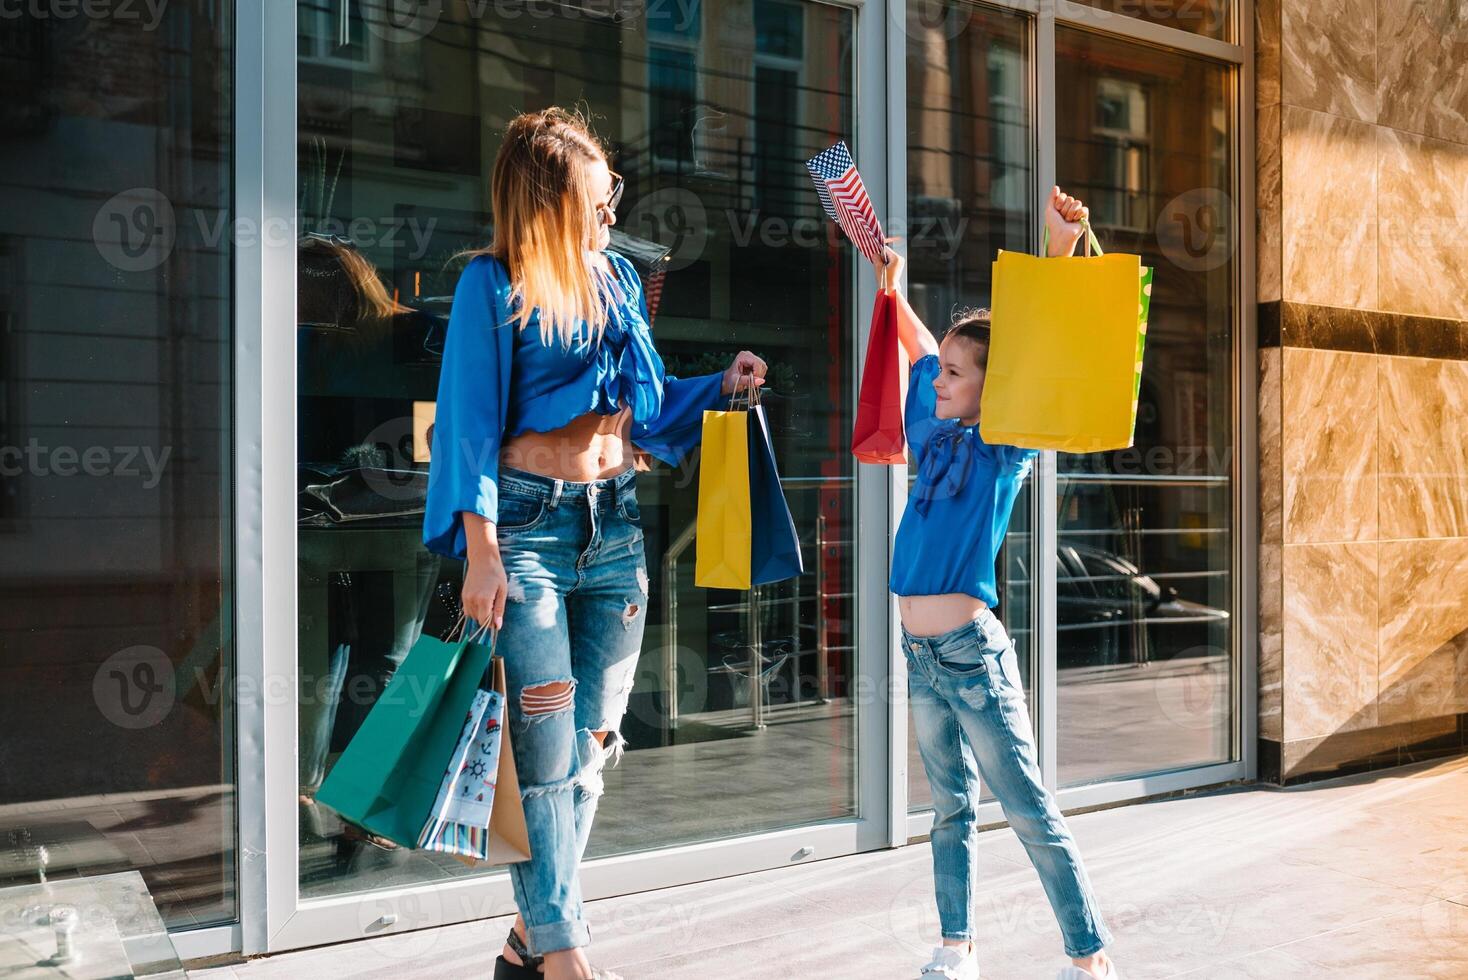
1361	877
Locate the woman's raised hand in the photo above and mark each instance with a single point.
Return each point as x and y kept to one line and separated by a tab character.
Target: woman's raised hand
745	362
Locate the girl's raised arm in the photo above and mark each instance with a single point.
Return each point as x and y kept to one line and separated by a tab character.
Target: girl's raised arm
914	335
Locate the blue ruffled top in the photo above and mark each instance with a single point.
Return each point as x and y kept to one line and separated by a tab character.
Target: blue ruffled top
961	500
497	381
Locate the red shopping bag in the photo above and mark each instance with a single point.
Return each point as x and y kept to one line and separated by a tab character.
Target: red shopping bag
877	436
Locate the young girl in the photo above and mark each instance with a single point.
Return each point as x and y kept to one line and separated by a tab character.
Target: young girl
964	687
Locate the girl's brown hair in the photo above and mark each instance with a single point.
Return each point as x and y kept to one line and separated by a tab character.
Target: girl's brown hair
545	221
972	324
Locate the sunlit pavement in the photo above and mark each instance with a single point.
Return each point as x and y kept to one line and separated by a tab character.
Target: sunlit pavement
1364	876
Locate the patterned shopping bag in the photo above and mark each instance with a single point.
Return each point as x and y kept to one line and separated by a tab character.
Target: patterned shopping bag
459	820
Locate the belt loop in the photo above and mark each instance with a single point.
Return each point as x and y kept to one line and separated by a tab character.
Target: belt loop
616	490
556	494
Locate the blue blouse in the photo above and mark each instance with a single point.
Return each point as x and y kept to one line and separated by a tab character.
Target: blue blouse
959	507
497	381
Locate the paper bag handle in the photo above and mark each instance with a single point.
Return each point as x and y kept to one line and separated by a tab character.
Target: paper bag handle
457	633
1090	238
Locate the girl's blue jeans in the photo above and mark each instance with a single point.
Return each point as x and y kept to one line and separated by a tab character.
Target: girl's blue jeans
968	708
572	633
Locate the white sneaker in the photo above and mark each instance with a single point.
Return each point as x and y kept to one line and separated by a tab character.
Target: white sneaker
950	963
1074	972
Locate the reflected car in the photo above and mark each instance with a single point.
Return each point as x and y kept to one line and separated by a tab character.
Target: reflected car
1109	611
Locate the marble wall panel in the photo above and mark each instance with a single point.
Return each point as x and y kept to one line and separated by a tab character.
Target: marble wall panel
1268	192
1424	448
1422	224
1266	52
1421	73
1328	56
1423	641
1330	637
1328	226
1328	457
1271	612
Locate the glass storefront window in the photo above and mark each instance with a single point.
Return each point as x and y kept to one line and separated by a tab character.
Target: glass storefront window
970	179
1145	534
116	473
710	113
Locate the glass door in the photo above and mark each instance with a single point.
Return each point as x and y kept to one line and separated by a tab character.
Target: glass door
1118	577
1145	653
744	722
970	192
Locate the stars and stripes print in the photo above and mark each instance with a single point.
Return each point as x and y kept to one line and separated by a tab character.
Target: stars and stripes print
653	293
844	198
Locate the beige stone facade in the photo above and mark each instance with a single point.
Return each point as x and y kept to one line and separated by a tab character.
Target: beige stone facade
1363	383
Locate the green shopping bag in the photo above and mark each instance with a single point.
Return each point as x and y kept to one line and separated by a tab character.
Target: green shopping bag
392	770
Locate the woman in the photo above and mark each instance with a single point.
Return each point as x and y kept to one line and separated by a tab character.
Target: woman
964	687
550	383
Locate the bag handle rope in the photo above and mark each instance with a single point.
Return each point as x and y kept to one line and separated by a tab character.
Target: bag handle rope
1090	238
751	398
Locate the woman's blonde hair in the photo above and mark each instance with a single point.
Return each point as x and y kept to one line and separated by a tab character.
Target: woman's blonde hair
545	219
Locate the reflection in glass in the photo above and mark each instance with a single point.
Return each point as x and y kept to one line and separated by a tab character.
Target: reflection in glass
1209	18
709	114
1144	568
116	340
970	175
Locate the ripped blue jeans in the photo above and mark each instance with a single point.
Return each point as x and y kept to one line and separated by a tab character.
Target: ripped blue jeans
968	709
572	633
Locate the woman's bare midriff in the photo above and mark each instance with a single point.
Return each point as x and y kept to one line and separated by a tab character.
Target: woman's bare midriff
931	615
589	447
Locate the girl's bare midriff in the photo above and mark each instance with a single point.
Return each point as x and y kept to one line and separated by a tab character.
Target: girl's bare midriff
930	615
589	447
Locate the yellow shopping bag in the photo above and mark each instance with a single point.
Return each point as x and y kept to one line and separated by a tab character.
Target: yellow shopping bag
1065	356
723	545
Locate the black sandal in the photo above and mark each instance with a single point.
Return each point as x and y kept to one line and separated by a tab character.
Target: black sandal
525	969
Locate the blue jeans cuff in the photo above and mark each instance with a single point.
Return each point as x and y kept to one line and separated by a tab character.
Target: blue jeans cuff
1106	939
552	936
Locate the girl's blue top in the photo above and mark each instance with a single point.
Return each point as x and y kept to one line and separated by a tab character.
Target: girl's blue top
497	381
959	507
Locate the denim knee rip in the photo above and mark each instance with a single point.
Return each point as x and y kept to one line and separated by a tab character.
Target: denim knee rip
545	699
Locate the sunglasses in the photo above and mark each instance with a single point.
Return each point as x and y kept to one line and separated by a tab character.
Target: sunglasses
613	200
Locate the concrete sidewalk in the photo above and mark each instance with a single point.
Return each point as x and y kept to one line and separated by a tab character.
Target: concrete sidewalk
1360	877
